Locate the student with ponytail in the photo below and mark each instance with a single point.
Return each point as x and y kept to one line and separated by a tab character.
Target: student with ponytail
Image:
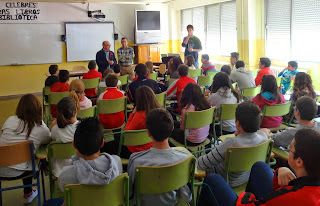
76	90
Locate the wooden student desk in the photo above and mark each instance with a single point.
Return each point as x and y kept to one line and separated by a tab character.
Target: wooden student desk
73	73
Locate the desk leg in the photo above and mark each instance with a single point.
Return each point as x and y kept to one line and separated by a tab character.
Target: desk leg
42	182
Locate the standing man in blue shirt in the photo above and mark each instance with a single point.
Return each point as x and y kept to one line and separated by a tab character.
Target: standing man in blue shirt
192	44
105	58
125	57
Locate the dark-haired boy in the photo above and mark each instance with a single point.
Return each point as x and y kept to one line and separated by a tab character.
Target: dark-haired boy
264	66
288	75
234	57
304	111
247	134
207	66
88	165
242	76
141	72
54	72
159	125
92	74
61	86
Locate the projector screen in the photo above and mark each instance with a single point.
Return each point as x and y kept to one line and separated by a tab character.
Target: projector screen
148	20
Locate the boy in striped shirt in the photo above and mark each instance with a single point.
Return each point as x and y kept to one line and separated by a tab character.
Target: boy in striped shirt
206	65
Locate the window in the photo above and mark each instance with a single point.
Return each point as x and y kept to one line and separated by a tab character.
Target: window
293	29
215	25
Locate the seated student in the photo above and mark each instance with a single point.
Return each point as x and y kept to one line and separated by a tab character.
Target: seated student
297	186
288	75
189	61
149	66
242	76
114	120
105	73
222	92
175	89
226	69
26	124
54	71
191	100
264	66
61	86
247	134
141	72
92	74
269	95
305	110
116	69
234	57
173	69
76	92
206	65
302	87
63	129
159	123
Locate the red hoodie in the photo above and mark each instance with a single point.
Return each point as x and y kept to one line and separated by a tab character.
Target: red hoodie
261	73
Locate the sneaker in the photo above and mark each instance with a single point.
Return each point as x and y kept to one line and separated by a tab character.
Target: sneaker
29	197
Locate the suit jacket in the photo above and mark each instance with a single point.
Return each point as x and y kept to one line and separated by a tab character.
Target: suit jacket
102	60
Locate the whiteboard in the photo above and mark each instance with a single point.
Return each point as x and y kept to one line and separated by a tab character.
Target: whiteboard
30	44
84	39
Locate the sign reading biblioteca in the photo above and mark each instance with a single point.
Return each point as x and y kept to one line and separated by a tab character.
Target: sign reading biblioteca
20	11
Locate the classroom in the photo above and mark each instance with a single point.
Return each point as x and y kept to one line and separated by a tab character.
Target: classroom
258	58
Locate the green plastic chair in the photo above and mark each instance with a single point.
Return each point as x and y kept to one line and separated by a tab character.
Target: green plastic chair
163	55
162	179
153	76
171	80
101	90
212	73
45	104
124	81
193	120
226	112
161	98
276	111
205	80
250	91
91	83
240	159
279	81
90	112
195	73
58	150
115	193
54	98
133	138
235	85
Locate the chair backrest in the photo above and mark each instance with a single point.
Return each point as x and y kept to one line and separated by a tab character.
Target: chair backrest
161	98
276	110
134	138
239	159
279	81
101	90
12	154
123	79
161	179
163	55
90	112
153	76
162	68
110	106
171	80
228	111
199	119
205	80
194	73
55	97
235	85
250	91
59	150
45	91
79	68
115	193
91	83
212	73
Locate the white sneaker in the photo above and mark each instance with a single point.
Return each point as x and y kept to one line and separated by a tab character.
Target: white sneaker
29	197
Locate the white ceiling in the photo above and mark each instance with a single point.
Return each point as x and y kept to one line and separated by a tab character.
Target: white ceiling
99	1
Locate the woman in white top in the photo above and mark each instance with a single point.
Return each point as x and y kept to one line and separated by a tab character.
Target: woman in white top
222	92
27	124
76	90
63	129
189	61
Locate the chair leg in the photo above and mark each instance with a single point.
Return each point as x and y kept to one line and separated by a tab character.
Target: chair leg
39	192
0	195
43	186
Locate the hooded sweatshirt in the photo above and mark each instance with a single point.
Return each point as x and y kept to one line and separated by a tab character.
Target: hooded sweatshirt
99	171
267	98
243	77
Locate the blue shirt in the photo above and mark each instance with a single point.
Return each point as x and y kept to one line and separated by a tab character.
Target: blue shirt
286	79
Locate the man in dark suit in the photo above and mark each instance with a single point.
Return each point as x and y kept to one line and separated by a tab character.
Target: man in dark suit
105	58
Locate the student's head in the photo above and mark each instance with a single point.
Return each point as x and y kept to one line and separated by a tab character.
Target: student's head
106	72
88	138
159	124
54	70
234	57
292	65
92	65
183	70
226	69
305	109
146	99
63	76
124	42
111	80
29	110
190	29
141	70
106	45
304	153
240	64
302	81
189	61
76	91
67	109
221	80
149	66
264	62
248	116
116	68
204	58
176	62
192	95
269	84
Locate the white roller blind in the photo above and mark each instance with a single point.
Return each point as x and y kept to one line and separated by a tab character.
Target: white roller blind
228	28
213	30
278	29
306	30
186	19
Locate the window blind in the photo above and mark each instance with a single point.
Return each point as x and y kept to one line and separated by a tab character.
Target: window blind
228	28
213	30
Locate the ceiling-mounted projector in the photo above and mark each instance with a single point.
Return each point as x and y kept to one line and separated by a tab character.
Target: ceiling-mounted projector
96	14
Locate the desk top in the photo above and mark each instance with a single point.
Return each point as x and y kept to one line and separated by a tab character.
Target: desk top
73	73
